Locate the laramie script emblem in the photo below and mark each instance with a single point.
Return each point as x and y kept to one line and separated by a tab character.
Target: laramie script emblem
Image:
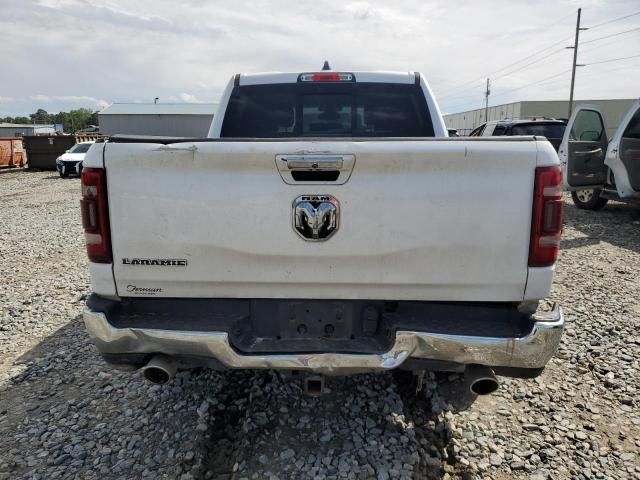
161	262
316	217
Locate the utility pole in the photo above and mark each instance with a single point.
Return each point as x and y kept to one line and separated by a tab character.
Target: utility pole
575	60
486	102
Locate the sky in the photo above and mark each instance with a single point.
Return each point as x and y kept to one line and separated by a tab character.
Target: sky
64	54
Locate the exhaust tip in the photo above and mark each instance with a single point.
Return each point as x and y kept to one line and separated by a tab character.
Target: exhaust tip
481	380
159	370
156	375
484	386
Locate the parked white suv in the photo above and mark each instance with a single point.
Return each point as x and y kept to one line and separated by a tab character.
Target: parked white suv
596	168
328	225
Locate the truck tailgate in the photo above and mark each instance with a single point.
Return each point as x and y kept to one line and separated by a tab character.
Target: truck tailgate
419	220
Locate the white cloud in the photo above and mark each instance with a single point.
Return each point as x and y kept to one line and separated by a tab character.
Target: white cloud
360	10
187	97
79	99
88	50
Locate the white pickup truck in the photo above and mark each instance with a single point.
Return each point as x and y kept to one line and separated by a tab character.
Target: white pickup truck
327	225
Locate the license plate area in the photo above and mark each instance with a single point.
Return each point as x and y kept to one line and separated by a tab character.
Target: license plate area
315	320
314	326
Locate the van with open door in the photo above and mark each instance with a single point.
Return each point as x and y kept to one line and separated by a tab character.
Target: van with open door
597	169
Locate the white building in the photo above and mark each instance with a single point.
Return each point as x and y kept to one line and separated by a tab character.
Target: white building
162	119
464	122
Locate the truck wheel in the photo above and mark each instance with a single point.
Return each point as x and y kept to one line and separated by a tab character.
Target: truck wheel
588	199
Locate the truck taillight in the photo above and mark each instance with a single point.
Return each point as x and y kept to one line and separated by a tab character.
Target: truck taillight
95	215
546	226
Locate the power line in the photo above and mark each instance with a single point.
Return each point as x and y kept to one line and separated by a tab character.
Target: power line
457	96
554	79
614	20
612	60
537	82
492	74
575	50
549	25
531	63
463	97
535	54
531	56
466	105
509	65
609	36
544	80
596	72
599	45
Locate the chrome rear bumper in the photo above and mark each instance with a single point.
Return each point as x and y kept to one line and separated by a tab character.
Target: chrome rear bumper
531	351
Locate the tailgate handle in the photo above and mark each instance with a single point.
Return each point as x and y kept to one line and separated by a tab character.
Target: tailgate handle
315	167
314	162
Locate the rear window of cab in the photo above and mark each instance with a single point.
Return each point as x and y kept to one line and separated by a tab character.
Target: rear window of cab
327	110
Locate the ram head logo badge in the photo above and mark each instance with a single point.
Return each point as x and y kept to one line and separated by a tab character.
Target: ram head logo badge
316	217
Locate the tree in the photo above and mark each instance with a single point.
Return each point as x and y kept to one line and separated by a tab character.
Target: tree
80	118
15	120
93	119
71	121
40	116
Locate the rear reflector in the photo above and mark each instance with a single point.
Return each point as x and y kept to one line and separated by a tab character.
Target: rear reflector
95	215
546	226
326	77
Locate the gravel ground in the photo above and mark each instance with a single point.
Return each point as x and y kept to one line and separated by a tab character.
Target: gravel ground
64	414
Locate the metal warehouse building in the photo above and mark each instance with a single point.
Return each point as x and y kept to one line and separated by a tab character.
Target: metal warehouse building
25	129
464	122
163	119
